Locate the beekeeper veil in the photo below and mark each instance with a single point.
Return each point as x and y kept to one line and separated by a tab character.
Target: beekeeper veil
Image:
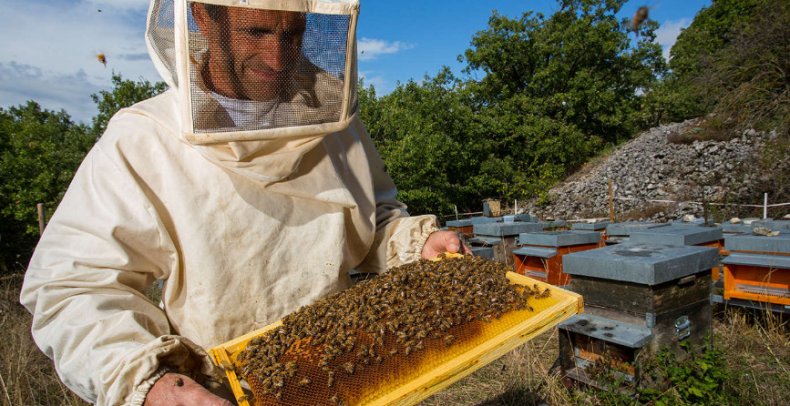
252	70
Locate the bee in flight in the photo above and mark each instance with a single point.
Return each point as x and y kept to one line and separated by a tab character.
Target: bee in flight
102	58
639	17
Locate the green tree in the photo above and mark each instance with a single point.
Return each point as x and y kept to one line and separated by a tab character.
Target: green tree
682	94
125	93
748	80
578	67
39	152
553	91
426	134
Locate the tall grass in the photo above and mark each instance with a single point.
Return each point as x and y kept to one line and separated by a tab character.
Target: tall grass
755	345
27	377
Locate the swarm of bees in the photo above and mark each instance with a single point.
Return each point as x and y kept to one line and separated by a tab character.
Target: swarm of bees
382	323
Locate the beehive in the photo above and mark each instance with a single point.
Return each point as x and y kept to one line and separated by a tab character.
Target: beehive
465	226
540	254
502	237
373	374
757	272
639	297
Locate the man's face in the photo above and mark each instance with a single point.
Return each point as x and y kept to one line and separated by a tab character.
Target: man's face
252	53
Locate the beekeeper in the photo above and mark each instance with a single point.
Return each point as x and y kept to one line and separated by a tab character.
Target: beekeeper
250	188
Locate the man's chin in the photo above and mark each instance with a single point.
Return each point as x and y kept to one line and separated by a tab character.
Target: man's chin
257	95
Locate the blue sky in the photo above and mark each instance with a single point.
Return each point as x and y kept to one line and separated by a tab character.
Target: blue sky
48	47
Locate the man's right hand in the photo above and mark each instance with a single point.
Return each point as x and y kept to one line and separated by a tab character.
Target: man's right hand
180	390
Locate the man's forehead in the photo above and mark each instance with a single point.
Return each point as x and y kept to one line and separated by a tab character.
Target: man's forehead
248	16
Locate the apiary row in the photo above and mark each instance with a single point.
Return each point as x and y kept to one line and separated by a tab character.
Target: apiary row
646	286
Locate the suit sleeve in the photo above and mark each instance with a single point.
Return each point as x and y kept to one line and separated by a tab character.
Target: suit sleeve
102	249
399	237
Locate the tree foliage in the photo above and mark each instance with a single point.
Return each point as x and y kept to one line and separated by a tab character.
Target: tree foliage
682	94
125	93
39	152
553	90
748	80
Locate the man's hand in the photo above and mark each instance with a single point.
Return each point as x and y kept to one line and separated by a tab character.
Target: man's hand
180	390
443	241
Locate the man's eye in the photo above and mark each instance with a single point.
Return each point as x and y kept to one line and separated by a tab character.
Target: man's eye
257	32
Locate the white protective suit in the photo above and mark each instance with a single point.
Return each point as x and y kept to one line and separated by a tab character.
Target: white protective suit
241	233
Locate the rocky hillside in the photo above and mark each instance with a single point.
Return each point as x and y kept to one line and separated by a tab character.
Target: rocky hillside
666	164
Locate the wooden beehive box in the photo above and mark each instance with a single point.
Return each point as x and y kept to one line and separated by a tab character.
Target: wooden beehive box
540	255
639	297
647	285
757	271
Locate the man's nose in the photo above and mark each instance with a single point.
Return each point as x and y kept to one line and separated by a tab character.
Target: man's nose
278	55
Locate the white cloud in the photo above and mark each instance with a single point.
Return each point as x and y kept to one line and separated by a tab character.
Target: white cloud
53	91
49	49
369	48
668	32
381	85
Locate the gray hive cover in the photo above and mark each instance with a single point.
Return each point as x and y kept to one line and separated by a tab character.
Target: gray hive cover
540	252
552	224
676	234
484	240
641	263
762	260
523	217
559	238
625	229
602	328
505	229
779	244
598	225
778	225
728	227
472	221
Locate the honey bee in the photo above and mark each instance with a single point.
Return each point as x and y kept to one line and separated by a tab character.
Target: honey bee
639	17
102	58
448	340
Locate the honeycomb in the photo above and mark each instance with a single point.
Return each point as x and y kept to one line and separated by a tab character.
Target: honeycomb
359	345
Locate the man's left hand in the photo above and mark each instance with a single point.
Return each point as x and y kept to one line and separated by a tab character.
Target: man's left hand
443	241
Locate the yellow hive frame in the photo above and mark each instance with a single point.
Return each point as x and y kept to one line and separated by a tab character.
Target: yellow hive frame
567	304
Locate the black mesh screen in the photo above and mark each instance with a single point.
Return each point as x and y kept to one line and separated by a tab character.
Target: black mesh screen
259	69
